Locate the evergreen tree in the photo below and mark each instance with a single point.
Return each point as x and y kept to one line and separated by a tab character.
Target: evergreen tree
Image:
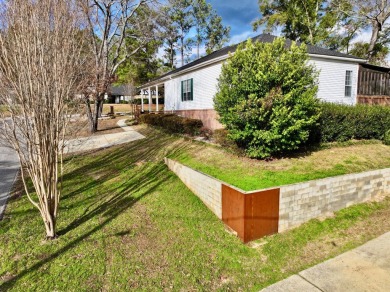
216	34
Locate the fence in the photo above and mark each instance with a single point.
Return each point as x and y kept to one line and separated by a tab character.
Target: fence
373	86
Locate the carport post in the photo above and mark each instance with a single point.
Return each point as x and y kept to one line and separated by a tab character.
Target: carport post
142	100
157	98
150	99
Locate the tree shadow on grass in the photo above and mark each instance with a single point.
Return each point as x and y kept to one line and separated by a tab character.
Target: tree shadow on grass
150	175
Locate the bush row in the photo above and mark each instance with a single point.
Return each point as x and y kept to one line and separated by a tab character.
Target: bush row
344	122
173	123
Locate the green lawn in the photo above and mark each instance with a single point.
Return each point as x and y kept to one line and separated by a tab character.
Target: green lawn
251	174
127	223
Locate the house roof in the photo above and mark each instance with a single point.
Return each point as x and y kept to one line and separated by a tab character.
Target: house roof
376	68
264	38
119	90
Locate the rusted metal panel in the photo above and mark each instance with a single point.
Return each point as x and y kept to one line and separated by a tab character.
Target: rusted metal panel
233	210
252	215
261	214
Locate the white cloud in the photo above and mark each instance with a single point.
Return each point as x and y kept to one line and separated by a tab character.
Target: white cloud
241	37
363	36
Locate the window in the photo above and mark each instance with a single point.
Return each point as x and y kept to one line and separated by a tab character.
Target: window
348	83
187	90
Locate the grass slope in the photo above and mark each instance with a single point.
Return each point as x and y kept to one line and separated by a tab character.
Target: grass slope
127	223
251	174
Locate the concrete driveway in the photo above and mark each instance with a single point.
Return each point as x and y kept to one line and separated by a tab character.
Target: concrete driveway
9	167
366	268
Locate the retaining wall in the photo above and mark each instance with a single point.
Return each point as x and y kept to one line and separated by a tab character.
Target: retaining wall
207	188
257	213
304	201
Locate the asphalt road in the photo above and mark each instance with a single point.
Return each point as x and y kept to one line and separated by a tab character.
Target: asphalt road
9	167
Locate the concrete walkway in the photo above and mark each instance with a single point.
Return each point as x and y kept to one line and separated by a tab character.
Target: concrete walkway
366	268
9	162
103	141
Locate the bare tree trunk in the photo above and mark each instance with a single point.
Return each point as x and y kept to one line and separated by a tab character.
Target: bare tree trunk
41	67
374	38
96	116
109	22
182	51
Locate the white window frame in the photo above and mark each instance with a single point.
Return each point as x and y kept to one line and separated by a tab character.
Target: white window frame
348	83
187	93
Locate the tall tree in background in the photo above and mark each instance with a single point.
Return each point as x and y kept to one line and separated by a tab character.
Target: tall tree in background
201	13
210	30
373	15
308	21
143	64
142	67
217	35
108	22
171	37
331	23
42	66
182	16
377	56
179	13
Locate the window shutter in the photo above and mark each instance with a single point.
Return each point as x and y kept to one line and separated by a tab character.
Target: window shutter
192	89
182	90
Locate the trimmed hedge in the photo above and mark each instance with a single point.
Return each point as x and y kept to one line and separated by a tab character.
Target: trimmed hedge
173	123
344	122
386	139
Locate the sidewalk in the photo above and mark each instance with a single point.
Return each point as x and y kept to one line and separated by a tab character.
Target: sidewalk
103	141
366	268
9	162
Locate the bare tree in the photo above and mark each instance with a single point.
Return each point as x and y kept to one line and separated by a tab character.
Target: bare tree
110	23
372	14
40	73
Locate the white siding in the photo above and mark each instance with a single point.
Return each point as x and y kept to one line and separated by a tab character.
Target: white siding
331	87
205	87
331	81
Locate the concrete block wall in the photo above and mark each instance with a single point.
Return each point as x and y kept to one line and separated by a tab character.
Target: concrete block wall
297	204
304	201
208	189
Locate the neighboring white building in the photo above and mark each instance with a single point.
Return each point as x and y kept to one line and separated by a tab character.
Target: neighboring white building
189	90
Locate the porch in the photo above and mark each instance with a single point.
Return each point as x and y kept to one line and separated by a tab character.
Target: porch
154	97
373	85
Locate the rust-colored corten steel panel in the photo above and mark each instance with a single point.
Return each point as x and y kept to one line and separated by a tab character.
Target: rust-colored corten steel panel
233	204
253	215
261	214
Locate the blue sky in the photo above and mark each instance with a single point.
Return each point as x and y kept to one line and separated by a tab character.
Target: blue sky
239	15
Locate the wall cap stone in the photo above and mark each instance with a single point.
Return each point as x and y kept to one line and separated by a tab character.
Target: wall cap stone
293	185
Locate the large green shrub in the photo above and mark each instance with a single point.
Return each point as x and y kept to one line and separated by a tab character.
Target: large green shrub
173	123
266	97
344	122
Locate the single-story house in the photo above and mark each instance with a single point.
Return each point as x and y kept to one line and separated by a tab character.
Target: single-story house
189	90
119	93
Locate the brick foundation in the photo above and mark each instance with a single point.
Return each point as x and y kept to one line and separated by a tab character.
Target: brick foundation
209	117
374	99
